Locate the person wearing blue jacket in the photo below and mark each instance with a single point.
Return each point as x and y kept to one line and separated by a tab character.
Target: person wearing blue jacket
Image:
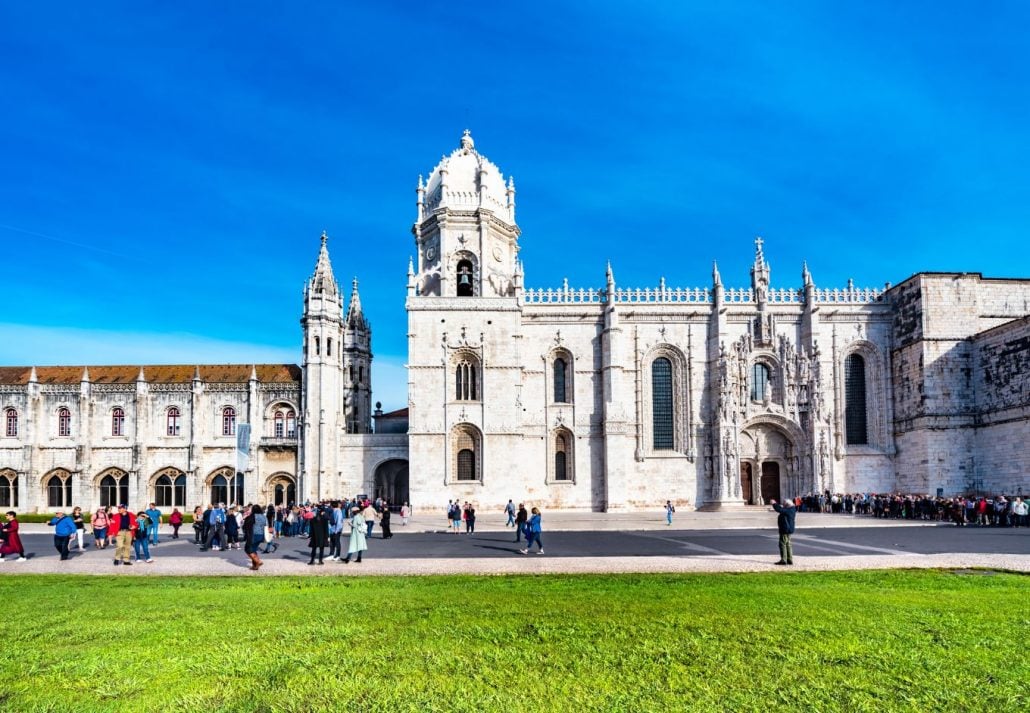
64	529
785	525
533	528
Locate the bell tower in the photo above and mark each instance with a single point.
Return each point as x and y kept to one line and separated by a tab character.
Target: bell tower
321	409
465	231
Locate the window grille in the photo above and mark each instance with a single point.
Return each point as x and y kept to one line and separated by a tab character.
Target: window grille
64	422
228	421
173	421
466	388
661	404
855	427
118	422
279	425
12	423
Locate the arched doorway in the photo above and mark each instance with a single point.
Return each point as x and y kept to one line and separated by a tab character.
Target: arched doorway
391	481
768	462
282	489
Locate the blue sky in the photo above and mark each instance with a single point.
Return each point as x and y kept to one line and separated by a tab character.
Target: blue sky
167	168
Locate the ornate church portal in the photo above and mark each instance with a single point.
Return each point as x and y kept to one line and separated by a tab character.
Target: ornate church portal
768	466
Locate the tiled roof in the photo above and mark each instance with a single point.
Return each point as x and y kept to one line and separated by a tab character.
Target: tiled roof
159	374
399	413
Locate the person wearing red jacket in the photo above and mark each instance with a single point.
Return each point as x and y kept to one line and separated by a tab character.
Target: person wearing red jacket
122	525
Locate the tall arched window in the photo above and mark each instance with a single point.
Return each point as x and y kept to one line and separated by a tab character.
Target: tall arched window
466	448
114	488
663	418
64	422
329	346
466	380
8	489
855	427
560	380
759	381
291	424
228	421
562	456
173	421
11	419
59	489
118	422
279	429
464	279
318	346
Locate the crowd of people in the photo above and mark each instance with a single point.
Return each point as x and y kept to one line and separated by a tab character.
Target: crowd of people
982	511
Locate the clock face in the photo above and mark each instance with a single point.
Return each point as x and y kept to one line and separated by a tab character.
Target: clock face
497	253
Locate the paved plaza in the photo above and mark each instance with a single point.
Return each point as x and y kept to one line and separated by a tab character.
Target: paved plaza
743	541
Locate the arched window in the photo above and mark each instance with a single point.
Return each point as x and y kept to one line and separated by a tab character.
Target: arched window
329	346
59	489
280	425
118	422
228	421
173	421
227	487
855	427
170	489
318	346
560	377
467	458
562	471
291	424
464	280
64	422
760	377
11	418
8	489
114	489
466	380
663	418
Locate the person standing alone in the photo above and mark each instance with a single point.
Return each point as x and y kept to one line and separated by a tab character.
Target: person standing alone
785	525
669	510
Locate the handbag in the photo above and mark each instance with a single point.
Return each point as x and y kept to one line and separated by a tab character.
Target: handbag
269	535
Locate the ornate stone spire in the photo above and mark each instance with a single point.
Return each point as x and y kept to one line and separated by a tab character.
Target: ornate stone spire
609	276
141	376
466	141
355	317
323	281
806	276
716	278
85	373
33	377
253	372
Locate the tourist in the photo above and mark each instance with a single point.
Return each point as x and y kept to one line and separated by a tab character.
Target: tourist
318	535
405	513
358	543
509	510
98	521
470	518
121	527
1019	513
521	518
456	518
175	520
198	525
64	529
384	521
336	520
141	536
255	524
533	530
154	517
11	539
232	530
785	525
669	510
369	514
215	520
80	526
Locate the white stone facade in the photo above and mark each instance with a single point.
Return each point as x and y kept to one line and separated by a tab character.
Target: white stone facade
600	398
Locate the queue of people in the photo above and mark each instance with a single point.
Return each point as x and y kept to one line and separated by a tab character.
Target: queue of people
982	511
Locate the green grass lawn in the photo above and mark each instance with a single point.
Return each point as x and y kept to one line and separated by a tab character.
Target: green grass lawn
858	641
